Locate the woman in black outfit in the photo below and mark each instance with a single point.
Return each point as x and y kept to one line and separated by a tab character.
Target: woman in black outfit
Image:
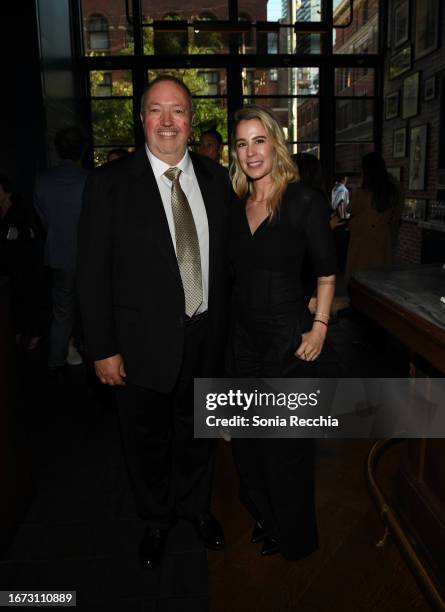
273	333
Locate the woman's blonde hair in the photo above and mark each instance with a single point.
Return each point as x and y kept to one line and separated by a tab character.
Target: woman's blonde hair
283	168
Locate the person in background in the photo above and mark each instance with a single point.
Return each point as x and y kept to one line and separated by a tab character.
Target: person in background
116	154
310	173
210	145
340	197
375	217
273	333
20	263
340	204
58	201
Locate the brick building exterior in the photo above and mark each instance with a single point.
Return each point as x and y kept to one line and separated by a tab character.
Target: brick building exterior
110	14
362	35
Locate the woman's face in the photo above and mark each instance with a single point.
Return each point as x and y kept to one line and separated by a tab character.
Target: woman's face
254	149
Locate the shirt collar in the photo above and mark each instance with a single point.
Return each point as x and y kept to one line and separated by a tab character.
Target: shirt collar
160	167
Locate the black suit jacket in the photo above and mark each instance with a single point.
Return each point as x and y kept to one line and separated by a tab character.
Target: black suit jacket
129	285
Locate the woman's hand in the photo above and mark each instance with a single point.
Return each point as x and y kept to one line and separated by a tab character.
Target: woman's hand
312	343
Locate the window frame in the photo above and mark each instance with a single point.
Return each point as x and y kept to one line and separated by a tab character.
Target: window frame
234	63
104	31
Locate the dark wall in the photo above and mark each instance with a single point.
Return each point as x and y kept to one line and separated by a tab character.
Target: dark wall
22	118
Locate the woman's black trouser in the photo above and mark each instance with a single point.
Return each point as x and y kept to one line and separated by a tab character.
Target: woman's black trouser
276	475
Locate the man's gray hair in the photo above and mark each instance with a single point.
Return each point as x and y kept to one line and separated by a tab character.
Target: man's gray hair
172	79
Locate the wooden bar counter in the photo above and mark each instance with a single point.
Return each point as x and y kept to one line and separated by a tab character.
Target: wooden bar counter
406	302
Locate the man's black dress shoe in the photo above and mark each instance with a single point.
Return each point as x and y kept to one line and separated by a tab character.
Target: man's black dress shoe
152	547
258	534
209	531
270	547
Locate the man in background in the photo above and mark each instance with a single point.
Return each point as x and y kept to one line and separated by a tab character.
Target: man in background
58	201
340	197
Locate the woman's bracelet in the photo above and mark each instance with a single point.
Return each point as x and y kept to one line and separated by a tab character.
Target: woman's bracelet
320	321
322	315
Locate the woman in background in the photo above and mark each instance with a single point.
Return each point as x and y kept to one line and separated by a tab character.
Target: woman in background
273	334
310	173
375	216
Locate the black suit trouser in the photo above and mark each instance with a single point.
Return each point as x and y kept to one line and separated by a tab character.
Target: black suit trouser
171	472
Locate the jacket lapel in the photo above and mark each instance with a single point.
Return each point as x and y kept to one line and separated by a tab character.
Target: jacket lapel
150	208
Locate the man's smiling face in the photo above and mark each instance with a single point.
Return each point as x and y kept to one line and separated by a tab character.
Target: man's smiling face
167	121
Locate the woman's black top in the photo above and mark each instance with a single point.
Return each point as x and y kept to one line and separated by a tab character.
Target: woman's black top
267	264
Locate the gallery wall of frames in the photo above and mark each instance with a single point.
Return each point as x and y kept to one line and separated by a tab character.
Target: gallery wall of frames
414	123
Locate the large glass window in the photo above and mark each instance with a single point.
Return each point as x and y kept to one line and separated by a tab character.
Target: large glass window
109	32
292	94
293	11
98	33
191	31
354	117
211	44
111	112
357	31
176	37
187	10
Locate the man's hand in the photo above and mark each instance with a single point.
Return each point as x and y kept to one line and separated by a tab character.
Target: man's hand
110	371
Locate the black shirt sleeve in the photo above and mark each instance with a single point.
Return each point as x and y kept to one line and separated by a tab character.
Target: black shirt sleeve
320	241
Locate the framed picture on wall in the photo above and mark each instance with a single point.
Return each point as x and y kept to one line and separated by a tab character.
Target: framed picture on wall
401	23
400	62
395	172
410	101
429	92
399	143
427	27
417	158
414	210
392	105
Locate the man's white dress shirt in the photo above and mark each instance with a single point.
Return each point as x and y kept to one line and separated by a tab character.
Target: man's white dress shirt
190	186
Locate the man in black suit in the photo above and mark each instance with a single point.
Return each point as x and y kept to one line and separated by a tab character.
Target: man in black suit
152	291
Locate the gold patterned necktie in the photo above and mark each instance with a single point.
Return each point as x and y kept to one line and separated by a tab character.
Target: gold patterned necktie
187	244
